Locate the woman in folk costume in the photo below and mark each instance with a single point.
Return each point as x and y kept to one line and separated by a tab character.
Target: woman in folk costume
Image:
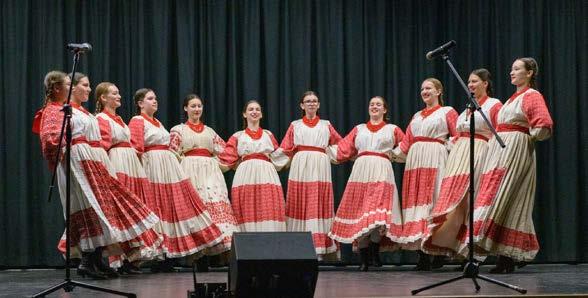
256	194
186	226
309	198
504	204
425	152
145	245
116	139
197	144
370	205
447	230
104	213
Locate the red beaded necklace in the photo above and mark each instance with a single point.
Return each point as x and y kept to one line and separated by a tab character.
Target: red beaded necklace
198	128
79	108
256	135
426	112
114	117
151	120
510	99
481	102
375	127
311	122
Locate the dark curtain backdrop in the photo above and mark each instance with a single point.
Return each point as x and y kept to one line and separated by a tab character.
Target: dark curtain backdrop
274	50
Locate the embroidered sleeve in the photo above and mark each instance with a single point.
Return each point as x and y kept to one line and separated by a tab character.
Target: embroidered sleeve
407	141
137	128
279	160
37	121
218	144
540	122
175	140
451	118
287	145
346	146
50	130
105	133
398	135
229	157
334	137
274	141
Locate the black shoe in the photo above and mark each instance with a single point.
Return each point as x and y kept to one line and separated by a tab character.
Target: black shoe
86	267
167	266
364	255
202	264
129	268
510	265
375	254
521	264
438	262
503	265
101	266
424	263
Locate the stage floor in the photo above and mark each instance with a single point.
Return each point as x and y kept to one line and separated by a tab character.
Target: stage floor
389	281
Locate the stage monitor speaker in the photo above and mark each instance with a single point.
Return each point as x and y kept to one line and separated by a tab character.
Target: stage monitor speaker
273	264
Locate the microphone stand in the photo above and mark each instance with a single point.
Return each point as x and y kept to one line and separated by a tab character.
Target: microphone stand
471	269
68	284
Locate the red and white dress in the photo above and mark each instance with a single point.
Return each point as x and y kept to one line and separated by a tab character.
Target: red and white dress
186	226
504	204
425	151
115	138
370	200
104	213
256	194
197	145
447	227
309	198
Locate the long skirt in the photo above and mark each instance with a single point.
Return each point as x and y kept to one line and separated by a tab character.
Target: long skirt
257	197
309	199
504	204
447	227
104	213
420	187
370	201
209	182
185	224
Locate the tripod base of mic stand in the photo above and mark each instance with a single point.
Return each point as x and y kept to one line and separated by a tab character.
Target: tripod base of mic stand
69	285
471	270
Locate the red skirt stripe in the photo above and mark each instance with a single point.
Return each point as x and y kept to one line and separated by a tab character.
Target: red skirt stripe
257	203
83	224
418	186
489	184
414	228
139	186
347	233
177	201
452	191
510	237
122	208
362	198
322	241
194	242
309	200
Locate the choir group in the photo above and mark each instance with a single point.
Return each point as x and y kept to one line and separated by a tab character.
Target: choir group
140	193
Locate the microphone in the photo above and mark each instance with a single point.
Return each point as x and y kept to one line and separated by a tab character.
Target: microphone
79	47
440	50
